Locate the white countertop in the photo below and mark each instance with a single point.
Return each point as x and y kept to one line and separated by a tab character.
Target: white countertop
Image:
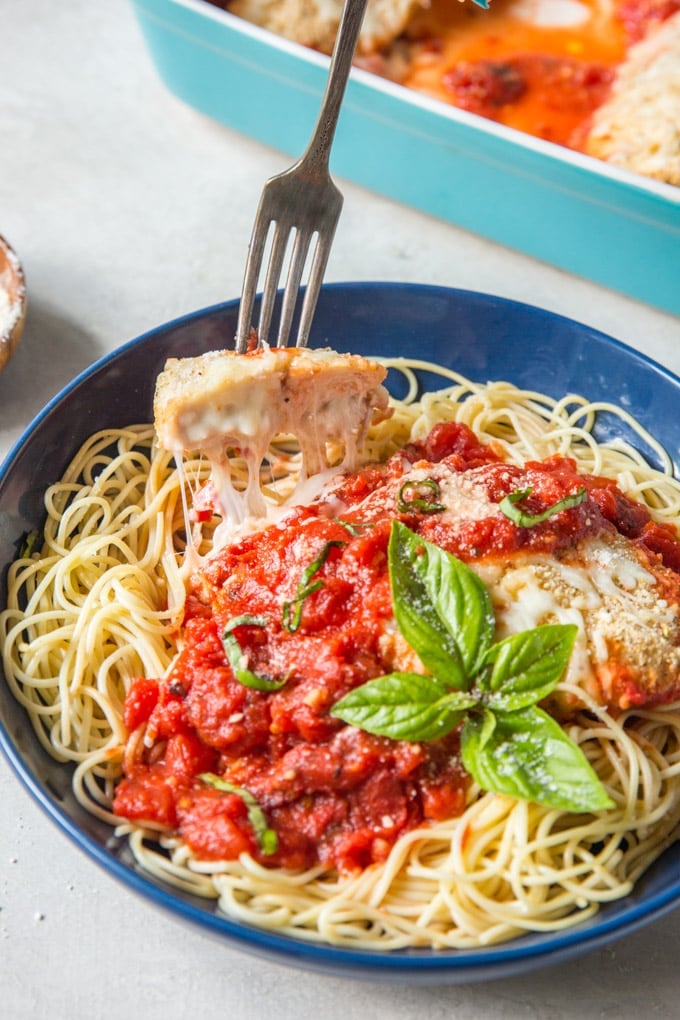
128	209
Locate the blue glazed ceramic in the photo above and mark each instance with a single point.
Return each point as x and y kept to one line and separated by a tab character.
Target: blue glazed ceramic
484	338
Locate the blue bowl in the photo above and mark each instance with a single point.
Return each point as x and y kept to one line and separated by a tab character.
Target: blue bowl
480	336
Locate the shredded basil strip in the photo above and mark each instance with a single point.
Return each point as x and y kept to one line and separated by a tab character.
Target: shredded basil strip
292	610
490	690
354	528
237	659
418	500
508	506
267	840
27	548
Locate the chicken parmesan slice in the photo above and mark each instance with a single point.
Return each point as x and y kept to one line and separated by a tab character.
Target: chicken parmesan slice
638	127
222	401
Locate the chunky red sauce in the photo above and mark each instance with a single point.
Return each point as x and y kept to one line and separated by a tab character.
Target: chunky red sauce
553	95
507	65
332	793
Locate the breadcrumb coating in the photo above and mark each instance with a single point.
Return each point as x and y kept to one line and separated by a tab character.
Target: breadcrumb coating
638	128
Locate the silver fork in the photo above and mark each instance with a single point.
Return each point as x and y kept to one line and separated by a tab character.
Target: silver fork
300	203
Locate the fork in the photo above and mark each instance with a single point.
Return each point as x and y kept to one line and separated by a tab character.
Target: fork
295	206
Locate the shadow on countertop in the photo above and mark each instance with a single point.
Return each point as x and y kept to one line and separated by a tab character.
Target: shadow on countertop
52	351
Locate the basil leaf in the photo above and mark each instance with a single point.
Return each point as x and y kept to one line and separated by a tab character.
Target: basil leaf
442	607
508	506
267	840
237	659
404	706
422	495
29	544
526	754
508	745
526	667
351	527
292	610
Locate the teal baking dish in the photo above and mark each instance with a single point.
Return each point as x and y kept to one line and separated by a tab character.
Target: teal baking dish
592	219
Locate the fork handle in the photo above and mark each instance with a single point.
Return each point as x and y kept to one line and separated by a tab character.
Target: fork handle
317	154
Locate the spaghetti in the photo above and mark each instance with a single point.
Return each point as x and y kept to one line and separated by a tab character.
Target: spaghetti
100	603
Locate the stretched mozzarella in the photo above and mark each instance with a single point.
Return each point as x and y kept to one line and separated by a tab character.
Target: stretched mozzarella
222	400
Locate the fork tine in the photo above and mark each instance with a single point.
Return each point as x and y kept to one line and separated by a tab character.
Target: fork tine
271	283
245	312
290	296
316	274
252	275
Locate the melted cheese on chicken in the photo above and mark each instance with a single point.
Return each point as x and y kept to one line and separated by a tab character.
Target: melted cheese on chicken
628	644
222	400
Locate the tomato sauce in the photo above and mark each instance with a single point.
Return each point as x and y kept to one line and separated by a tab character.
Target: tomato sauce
538	66
638	16
332	793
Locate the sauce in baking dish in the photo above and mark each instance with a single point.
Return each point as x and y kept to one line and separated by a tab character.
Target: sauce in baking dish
541	66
